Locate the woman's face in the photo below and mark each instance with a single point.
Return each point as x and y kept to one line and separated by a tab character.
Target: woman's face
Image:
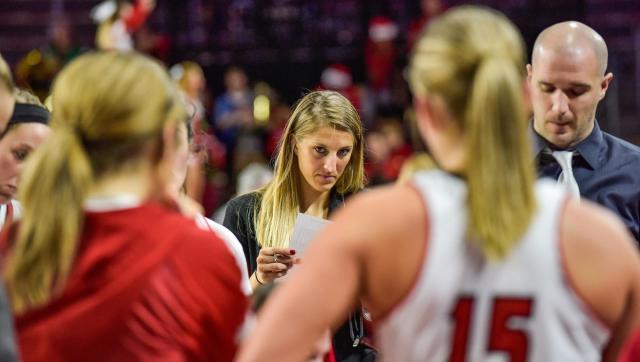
15	146
322	157
195	82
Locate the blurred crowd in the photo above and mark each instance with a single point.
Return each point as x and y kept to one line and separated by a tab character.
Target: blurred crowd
236	129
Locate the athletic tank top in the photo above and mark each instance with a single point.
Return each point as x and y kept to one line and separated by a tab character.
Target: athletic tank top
464	307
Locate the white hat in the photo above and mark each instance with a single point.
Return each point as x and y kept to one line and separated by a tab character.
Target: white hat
103	11
382	29
336	76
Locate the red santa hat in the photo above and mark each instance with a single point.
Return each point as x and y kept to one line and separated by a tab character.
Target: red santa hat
336	76
382	28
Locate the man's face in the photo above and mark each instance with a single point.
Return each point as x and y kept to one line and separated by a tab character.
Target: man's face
565	91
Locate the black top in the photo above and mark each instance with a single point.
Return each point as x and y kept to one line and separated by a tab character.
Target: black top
239	218
607	170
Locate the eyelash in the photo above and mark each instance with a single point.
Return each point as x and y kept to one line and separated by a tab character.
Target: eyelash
323	151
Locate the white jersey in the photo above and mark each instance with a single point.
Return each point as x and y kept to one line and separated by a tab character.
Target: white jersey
464	307
234	246
10	212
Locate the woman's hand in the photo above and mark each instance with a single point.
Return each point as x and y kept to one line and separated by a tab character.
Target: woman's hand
274	263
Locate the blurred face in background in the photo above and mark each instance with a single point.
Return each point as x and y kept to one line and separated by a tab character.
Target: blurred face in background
15	147
235	80
195	82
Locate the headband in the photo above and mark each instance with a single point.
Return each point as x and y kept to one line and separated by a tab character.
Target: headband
29	113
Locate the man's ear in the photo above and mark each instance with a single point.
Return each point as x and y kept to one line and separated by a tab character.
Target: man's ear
526	96
604	84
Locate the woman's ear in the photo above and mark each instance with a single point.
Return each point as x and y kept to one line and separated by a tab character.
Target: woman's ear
169	140
424	117
432	112
167	153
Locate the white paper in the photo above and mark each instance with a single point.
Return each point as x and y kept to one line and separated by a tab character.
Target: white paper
305	229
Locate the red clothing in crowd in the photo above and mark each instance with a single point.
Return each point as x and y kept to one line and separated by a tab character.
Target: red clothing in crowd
146	285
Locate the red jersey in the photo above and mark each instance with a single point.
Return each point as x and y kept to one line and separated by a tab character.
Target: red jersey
146	285
631	351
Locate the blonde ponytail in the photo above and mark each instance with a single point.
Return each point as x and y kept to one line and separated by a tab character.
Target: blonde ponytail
109	108
473	58
499	170
42	255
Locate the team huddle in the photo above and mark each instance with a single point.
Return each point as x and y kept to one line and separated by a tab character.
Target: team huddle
520	244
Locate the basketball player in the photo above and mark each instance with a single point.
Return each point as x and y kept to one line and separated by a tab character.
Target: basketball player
102	267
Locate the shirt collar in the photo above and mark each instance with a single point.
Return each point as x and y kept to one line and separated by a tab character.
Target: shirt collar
589	148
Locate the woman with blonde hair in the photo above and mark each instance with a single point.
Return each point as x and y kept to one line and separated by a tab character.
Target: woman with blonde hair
207	149
318	165
27	129
102	266
475	261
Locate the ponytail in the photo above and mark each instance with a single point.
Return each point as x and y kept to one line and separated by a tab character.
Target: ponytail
499	170
55	182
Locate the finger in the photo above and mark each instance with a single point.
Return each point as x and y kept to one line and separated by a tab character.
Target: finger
271	259
279	251
272	268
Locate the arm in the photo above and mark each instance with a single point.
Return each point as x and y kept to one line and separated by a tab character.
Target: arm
603	263
330	269
348	261
235	220
262	268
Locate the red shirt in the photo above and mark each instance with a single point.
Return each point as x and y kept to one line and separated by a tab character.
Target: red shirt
147	285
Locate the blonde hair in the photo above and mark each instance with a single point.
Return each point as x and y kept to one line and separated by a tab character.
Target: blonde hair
6	79
24	96
187	67
280	202
108	107
473	58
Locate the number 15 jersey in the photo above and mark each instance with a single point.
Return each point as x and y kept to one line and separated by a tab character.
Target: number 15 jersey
464	307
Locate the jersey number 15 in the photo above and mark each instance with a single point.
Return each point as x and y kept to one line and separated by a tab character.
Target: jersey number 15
502	338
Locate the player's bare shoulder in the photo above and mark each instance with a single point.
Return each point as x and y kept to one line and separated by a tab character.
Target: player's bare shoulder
384	210
600	257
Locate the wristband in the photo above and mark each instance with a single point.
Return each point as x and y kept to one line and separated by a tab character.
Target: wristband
258	279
